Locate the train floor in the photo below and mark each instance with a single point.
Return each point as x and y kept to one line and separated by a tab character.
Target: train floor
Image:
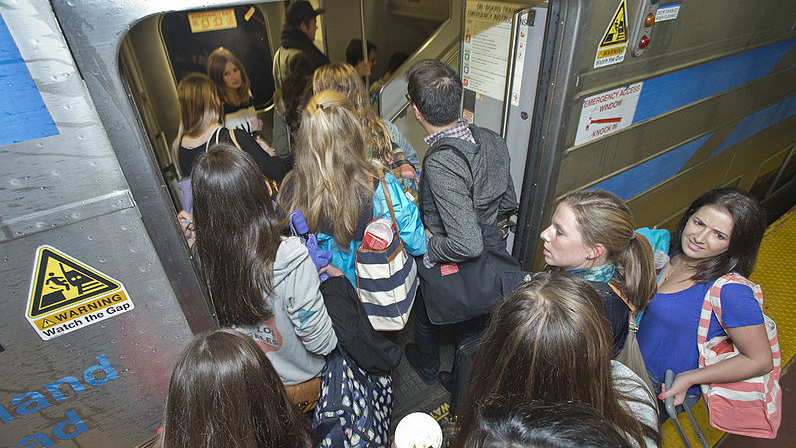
775	265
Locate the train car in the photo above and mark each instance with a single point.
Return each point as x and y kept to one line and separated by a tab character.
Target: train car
654	100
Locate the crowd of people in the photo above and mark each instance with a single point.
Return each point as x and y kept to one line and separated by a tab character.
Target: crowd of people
549	369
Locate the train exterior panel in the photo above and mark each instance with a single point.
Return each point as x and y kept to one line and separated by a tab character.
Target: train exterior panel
708	102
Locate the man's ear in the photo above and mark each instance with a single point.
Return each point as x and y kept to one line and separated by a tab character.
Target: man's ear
418	115
303	27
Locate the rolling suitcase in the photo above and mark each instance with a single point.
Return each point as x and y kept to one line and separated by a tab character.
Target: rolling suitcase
669	404
462	364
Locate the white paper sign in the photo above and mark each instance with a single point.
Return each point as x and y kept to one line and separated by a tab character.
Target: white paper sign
667	12
607	112
487	37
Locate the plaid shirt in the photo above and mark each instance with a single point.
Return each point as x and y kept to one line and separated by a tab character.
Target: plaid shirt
461	130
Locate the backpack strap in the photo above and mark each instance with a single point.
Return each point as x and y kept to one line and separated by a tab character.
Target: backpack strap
456	151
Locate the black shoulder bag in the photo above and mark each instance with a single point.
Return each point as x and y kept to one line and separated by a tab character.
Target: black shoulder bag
456	292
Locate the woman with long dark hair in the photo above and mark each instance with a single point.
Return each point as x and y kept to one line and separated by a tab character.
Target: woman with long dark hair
224	392
550	341
720	233
260	283
232	86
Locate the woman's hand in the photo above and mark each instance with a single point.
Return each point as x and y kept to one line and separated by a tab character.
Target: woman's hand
428	234
265	147
256	125
186	223
679	388
331	270
753	359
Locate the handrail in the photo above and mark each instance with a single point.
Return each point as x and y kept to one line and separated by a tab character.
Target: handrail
512	62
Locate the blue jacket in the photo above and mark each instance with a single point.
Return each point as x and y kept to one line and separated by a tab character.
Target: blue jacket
410	228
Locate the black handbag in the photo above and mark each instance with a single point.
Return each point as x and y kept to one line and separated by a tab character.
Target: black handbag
456	292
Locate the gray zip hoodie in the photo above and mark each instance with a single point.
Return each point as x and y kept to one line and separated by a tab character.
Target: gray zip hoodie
300	332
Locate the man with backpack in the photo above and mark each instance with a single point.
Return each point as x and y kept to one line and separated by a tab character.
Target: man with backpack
466	183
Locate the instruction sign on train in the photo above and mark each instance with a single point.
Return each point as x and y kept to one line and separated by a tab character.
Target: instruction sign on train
613	45
67	294
607	112
487	38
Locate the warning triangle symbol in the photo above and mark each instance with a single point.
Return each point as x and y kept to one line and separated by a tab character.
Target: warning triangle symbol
46	323
617	30
60	281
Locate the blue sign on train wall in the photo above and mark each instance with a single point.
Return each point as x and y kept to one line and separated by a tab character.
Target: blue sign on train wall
23	115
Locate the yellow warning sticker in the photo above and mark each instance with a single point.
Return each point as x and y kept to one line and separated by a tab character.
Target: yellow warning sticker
613	45
67	294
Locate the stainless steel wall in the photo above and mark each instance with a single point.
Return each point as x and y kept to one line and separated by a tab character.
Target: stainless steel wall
83	191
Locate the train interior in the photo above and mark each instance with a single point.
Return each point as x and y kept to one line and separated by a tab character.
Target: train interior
711	106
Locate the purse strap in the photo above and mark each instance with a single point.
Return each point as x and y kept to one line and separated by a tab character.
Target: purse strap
624	299
232	137
631	317
712	304
207	144
383	183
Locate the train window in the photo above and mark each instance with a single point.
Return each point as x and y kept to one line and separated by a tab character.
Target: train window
191	36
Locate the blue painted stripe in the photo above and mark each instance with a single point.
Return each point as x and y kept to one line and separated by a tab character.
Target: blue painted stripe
392	310
23	115
758	122
674	90
387	283
647	175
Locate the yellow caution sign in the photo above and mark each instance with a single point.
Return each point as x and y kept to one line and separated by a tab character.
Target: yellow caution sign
66	294
613	45
617	30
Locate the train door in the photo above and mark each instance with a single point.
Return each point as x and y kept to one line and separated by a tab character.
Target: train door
500	61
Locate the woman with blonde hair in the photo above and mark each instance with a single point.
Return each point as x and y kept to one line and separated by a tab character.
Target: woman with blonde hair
224	392
384	143
232	86
336	188
200	114
592	236
550	341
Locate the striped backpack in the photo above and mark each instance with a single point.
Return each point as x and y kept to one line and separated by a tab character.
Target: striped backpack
751	407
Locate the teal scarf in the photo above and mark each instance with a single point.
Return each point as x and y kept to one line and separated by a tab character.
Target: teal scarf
596	274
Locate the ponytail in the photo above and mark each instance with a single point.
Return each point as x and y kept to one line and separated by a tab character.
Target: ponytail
604	219
635	266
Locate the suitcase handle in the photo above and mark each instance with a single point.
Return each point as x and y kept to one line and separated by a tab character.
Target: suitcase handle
670	409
